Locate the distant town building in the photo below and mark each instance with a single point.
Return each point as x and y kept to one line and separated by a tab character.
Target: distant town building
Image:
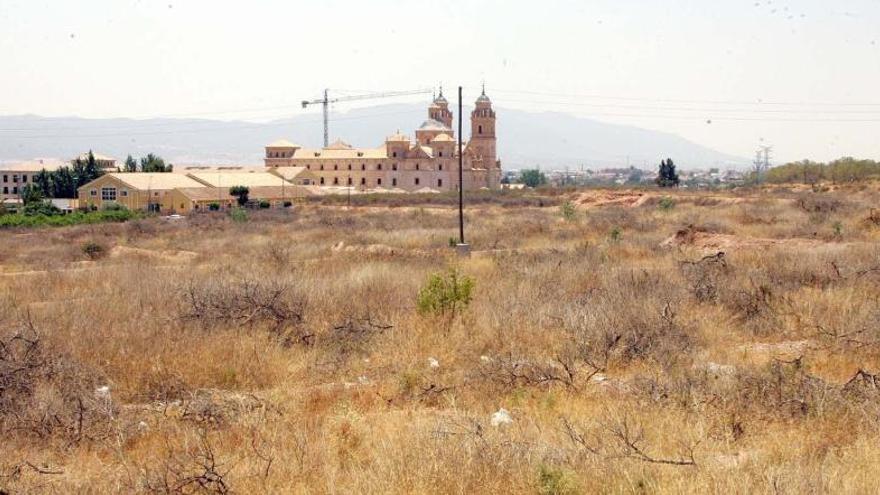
427	163
14	176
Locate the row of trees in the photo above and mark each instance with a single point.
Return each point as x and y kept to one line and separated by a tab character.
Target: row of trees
667	176
64	182
845	169
149	163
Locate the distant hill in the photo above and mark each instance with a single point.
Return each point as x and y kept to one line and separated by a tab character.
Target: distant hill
525	139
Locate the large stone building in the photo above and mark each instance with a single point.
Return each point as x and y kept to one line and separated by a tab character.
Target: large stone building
427	163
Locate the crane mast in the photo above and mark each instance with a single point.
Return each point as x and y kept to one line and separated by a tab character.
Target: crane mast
326	101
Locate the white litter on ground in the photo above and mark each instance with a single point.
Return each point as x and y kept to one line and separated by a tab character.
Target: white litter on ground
433	363
485	359
501	417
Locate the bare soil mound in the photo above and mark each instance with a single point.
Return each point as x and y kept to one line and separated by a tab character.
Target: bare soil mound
168	256
692	236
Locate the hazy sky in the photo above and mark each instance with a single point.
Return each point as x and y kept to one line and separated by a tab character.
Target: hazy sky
801	75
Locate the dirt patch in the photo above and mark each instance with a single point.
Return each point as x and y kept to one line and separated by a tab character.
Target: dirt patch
635	199
692	236
167	256
376	250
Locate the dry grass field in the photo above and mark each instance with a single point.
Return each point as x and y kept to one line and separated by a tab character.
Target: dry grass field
287	354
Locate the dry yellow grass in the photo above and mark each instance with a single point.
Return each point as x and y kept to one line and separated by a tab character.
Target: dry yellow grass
271	362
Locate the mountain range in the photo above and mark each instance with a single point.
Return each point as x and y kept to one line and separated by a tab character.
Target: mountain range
525	139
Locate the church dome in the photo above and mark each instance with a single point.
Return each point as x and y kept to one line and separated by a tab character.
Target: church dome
433	125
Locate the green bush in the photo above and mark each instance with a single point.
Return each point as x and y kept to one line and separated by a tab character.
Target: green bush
567	210
93	250
214	206
265	204
615	235
238	215
445	294
288	204
41	208
75	218
666	203
555	481
113	207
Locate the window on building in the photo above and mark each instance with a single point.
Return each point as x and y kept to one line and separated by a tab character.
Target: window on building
393	166
394	154
335	167
93	192
336	181
322	166
479	129
308	167
363	181
349	166
441	154
363	166
5	178
441	167
417	166
349	181
417	181
394	181
14	190
379	181
322	181
108	194
439	182
24	179
5	190
124	193
379	167
15	179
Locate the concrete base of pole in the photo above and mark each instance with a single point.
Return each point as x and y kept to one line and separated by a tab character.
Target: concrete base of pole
463	250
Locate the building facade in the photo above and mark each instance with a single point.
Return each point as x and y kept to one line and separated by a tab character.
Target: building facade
427	163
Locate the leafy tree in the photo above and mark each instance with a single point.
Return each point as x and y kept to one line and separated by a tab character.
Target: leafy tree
241	193
131	165
533	177
154	163
667	177
31	194
43	181
63	183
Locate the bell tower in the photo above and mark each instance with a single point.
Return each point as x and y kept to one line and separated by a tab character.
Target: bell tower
439	110
482	144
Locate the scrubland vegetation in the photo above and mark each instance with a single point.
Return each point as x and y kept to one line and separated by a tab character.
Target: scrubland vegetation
689	342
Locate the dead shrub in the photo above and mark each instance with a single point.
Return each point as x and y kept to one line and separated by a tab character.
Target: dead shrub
195	468
246	303
705	275
46	394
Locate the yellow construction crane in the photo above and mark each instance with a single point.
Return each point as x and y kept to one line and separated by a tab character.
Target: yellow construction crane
326	101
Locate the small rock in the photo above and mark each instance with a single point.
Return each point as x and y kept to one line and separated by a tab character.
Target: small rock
433	363
485	359
363	380
501	417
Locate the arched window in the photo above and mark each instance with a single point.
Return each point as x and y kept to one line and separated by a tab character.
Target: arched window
322	181
379	167
417	166
349	166
394	154
349	181
394	181
441	154
379	181
479	129
336	181
363	166
335	167
439	182
417	181
363	181
441	167
308	167
393	166
322	166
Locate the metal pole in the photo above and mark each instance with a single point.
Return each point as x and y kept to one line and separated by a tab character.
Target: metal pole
460	174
